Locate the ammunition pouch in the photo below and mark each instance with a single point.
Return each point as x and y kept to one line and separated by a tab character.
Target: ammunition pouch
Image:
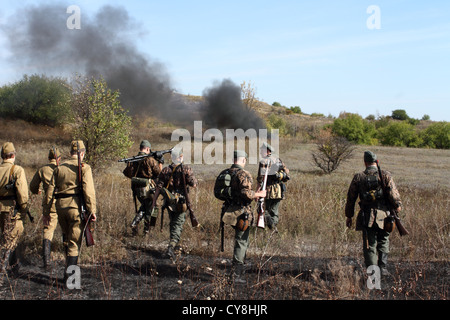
274	191
142	187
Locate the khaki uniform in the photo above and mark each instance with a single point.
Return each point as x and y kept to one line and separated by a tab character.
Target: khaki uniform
63	187
171	179
43	176
372	213
275	186
15	198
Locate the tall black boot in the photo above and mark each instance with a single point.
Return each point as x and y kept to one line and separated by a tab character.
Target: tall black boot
14	262
46	251
70	261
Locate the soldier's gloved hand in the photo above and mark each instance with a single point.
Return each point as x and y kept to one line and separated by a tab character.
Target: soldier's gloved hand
348	222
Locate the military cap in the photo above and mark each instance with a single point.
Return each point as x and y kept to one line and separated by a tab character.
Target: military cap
145	144
77	144
240	154
370	157
54	153
8	147
267	146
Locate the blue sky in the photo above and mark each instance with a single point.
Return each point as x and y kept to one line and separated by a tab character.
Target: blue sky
319	55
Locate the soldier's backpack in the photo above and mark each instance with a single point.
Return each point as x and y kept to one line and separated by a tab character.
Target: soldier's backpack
373	192
222	186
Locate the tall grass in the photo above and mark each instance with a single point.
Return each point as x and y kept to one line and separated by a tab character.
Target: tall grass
312	222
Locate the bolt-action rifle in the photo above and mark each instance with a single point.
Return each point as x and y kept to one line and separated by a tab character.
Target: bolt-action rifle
194	221
392	212
85	216
260	208
158	155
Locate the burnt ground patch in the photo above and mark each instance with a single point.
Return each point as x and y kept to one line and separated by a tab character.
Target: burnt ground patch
148	275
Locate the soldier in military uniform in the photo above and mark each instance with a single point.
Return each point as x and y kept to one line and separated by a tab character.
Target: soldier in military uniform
371	217
13	206
43	176
171	184
65	189
239	209
143	175
277	176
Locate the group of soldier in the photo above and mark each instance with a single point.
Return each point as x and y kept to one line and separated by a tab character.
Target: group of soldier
149	180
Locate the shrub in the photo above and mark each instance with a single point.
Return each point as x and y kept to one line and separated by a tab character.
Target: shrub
354	128
437	135
331	151
37	99
296	109
100	121
399	134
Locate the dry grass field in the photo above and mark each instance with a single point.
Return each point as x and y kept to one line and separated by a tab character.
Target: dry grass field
314	255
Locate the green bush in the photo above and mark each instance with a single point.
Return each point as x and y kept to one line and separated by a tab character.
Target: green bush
437	135
296	109
399	134
38	99
354	128
100	121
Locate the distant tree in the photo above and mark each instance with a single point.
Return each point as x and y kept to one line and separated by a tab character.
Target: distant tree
425	117
276	104
100	121
400	114
248	93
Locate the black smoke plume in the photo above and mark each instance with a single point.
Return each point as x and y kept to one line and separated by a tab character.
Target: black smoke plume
223	108
106	46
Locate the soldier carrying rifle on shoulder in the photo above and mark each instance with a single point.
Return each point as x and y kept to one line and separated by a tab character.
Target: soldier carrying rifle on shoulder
379	205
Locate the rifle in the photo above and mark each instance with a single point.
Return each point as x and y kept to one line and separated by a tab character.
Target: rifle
158	155
194	221
260	208
83	211
222	226
392	213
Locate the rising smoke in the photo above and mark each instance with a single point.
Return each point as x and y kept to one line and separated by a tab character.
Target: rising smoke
106	46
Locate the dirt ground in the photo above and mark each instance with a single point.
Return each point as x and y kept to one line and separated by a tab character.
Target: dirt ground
148	275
